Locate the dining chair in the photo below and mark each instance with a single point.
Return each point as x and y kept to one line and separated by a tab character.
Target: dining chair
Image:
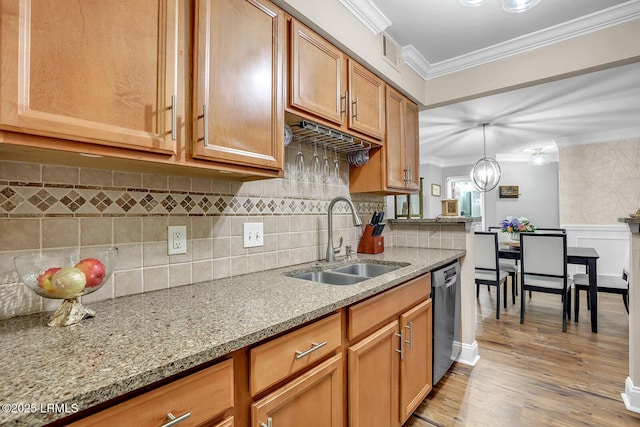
487	266
550	230
543	268
609	284
510	266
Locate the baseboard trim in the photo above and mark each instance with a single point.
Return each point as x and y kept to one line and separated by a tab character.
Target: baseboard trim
468	354
631	396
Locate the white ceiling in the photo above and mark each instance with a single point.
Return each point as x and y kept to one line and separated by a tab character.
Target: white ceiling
442	36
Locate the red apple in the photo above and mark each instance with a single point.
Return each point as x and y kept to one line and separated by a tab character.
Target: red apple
44	279
93	269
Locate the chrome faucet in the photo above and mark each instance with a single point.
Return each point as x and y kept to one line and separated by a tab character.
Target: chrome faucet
331	251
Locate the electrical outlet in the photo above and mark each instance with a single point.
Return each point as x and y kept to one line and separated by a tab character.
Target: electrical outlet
177	240
253	235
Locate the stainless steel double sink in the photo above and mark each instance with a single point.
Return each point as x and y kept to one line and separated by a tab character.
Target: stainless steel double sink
348	274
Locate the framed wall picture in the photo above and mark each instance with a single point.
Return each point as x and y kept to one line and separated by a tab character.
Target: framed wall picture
509	191
436	190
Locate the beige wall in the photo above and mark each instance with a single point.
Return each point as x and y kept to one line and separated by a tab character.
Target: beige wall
599	183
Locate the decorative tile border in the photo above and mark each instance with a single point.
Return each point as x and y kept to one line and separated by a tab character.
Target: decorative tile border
29	199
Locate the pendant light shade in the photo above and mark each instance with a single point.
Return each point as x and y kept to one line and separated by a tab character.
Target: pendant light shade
485	174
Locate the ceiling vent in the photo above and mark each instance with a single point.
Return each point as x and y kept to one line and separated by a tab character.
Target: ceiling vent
390	51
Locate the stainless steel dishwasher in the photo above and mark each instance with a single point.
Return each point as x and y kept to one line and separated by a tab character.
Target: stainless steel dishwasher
445	294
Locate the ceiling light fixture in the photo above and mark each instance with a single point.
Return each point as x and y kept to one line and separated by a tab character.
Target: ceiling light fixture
538	157
472	3
486	172
517	6
511	6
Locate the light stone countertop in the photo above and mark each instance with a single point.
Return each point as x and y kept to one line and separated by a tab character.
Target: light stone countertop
137	340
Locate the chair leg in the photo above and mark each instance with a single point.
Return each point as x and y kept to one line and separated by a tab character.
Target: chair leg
477	290
498	301
625	299
568	304
564	313
522	306
576	305
514	288
505	293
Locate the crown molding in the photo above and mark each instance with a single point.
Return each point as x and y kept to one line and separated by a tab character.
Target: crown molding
376	22
367	13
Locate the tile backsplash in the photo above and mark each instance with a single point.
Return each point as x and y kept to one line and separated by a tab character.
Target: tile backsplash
50	208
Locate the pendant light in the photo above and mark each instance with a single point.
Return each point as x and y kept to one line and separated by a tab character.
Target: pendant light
486	172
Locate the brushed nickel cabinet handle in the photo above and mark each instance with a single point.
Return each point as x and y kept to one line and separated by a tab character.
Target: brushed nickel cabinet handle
268	424
174	119
410	328
401	351
205	124
314	347
346	104
355	116
173	420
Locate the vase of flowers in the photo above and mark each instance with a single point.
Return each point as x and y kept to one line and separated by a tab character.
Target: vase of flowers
516	225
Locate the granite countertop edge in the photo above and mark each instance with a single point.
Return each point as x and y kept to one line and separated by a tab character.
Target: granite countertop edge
149	361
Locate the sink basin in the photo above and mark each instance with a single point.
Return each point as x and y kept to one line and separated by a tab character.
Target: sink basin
366	269
348	274
331	278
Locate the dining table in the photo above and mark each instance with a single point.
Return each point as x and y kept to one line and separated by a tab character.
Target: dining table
575	255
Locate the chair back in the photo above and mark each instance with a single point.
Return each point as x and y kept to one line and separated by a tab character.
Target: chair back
486	250
544	254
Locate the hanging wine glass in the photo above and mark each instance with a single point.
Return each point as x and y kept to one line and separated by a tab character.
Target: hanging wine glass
300	163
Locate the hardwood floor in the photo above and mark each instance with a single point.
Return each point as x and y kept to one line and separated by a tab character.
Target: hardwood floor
535	375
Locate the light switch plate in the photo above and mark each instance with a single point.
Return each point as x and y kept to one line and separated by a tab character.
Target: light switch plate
177	239
253	234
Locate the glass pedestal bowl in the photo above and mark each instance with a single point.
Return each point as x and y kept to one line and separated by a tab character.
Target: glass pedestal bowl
67	275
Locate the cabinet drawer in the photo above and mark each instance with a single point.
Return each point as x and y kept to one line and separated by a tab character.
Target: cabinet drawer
371	313
205	394
277	359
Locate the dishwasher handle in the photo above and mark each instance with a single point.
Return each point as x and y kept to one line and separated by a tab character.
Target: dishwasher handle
451	281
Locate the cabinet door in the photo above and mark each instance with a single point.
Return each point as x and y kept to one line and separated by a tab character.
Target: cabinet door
313	399
367	98
394	143
373	379
317	78
101	72
238	84
415	365
411	144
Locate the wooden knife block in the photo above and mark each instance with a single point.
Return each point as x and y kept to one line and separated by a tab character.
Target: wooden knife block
369	244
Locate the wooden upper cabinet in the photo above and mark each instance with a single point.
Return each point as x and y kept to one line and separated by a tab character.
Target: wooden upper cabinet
325	84
367	98
101	72
412	144
238	110
317	80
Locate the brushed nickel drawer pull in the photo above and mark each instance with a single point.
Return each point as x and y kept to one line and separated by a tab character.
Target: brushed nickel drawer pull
174	119
173	420
268	424
314	347
205	124
346	104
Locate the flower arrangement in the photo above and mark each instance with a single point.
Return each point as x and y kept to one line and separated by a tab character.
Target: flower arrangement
514	225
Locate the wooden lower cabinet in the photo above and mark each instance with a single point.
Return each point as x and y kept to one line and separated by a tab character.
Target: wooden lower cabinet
389	370
373	379
416	375
206	395
315	398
